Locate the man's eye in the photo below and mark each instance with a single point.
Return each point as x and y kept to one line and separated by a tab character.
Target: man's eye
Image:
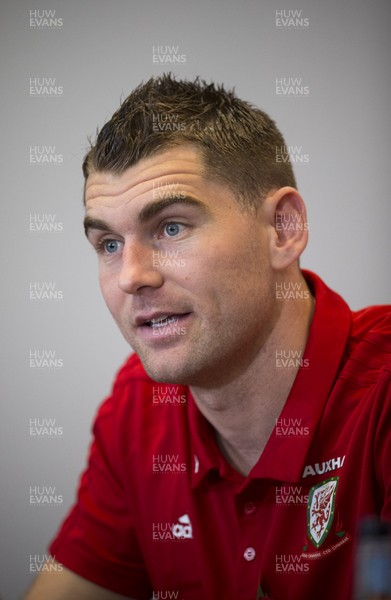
109	246
172	229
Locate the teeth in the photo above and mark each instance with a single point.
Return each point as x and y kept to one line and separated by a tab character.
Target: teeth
159	320
162	321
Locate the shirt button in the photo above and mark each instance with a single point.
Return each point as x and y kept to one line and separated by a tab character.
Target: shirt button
249	554
250	508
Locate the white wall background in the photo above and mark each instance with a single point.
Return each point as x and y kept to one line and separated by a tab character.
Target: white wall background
97	52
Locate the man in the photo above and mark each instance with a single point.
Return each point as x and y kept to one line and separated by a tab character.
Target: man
250	431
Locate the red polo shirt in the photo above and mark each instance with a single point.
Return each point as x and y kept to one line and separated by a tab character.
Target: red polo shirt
161	514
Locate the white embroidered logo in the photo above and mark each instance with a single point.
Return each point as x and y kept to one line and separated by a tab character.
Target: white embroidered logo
183	528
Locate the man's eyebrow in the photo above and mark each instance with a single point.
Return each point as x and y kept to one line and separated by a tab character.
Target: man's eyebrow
90	223
153	208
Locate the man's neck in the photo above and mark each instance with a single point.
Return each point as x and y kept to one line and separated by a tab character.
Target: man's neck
244	411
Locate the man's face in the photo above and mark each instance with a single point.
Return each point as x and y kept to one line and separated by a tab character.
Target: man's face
183	269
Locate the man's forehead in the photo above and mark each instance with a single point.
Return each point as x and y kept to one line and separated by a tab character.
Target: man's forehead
169	165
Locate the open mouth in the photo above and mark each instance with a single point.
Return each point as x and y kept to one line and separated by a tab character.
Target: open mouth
162	325
162	321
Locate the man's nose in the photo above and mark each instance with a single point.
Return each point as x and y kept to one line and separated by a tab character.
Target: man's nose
138	269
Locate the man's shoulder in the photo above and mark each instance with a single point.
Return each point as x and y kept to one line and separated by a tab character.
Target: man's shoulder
373	324
369	348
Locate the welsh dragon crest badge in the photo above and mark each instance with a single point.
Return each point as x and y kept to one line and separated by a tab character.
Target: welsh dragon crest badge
320	510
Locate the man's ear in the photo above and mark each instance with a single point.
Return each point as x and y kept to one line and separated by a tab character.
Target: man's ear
288	227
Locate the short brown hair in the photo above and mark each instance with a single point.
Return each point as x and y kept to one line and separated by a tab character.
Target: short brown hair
238	142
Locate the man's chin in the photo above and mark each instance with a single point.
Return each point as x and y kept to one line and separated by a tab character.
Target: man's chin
176	363
187	373
163	369
165	374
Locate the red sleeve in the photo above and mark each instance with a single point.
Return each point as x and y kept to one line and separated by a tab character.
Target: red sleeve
380	337
98	540
383	447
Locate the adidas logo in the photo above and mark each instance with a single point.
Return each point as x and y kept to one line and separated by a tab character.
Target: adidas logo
183	528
